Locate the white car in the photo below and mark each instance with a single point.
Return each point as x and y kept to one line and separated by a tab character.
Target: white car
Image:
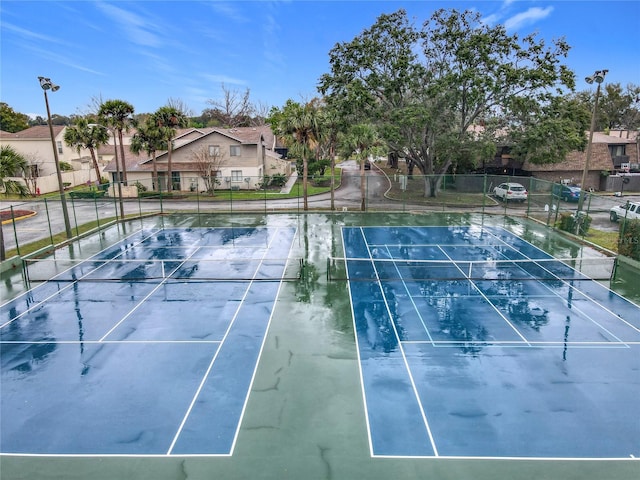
630	211
510	192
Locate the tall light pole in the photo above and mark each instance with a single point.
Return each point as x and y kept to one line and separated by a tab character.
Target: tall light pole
597	77
47	84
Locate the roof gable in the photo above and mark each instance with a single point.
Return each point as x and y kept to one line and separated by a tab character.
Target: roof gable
39	132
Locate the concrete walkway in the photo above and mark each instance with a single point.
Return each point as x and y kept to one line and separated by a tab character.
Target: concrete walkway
293	178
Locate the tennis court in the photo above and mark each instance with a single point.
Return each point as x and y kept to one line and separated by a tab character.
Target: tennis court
473	342
319	346
161	332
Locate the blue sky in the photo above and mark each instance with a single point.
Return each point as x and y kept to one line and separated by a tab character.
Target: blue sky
145	52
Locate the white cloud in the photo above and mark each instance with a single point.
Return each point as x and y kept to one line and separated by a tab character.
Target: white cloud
217	78
527	18
137	28
30	35
229	11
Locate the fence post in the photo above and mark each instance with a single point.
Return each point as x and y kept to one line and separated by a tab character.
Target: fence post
46	207
15	231
75	218
484	192
198	202
95	204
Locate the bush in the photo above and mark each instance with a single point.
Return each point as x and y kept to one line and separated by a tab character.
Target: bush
629	239
141	188
574	224
65	167
278	180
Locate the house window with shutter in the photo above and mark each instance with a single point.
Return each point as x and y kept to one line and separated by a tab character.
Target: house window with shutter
234	150
214	150
236	175
59	144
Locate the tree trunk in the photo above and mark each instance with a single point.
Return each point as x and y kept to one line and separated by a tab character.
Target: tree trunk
155	173
169	170
305	173
95	165
363	202
333	181
123	159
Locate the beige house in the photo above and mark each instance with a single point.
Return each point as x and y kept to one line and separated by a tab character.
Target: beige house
35	145
240	158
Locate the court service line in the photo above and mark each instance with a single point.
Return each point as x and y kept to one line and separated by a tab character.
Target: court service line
482	294
401	348
71	284
395	265
144	299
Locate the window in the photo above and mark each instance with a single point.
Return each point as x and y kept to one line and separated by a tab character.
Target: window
617	150
234	150
175	181
214	150
59	144
236	175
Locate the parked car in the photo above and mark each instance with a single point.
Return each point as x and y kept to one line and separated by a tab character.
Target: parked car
568	193
510	192
629	211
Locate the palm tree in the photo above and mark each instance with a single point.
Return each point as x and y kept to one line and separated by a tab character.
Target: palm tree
330	124
149	138
84	135
299	125
12	164
360	139
167	119
117	114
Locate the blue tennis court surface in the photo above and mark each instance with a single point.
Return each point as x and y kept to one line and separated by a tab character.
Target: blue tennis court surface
474	343
148	348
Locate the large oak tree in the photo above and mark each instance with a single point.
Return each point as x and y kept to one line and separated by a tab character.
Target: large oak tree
425	88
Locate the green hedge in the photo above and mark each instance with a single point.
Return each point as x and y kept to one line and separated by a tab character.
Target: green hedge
629	239
578	225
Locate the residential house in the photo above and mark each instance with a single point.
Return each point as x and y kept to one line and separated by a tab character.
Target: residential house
610	154
241	157
35	145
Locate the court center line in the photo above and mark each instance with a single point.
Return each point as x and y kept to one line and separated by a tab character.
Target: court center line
477	288
415	307
146	297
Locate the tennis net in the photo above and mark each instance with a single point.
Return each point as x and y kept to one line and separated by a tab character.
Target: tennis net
546	269
165	270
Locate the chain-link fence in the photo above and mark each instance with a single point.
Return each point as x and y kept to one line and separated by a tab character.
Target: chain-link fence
91	208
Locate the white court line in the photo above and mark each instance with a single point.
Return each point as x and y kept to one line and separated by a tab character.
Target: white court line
485	297
99	342
415	307
71	284
264	338
355	330
404	356
215	356
592	300
154	290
